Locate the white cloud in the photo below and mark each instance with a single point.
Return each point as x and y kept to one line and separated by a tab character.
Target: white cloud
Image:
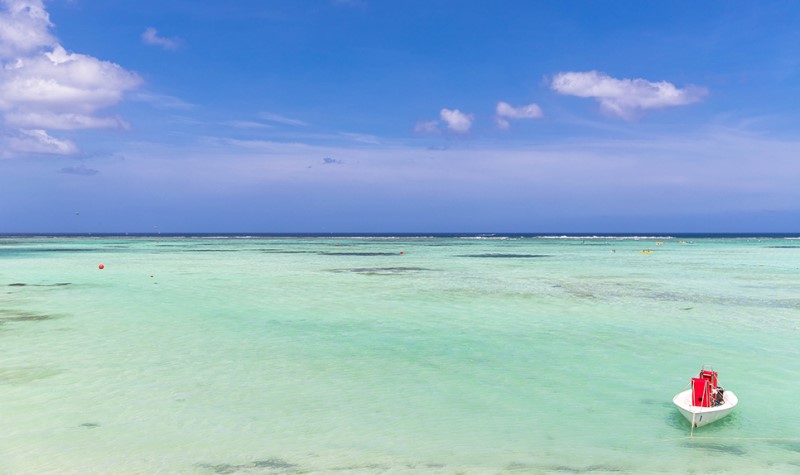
44	87
456	120
282	119
39	141
505	111
531	111
62	81
24	27
150	37
625	97
452	119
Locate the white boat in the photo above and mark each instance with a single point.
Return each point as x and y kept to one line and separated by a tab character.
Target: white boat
705	401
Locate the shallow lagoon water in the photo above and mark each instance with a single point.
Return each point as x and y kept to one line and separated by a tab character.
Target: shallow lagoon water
205	355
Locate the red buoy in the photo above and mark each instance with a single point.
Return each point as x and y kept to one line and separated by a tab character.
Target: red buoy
401	252
101	267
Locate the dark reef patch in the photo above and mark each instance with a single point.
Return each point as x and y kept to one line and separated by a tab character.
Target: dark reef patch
362	254
505	256
372	466
272	463
212	250
222	467
589	469
22	284
53	249
8	316
90	425
382	270
283	251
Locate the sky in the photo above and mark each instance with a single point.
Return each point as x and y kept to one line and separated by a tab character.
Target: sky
328	116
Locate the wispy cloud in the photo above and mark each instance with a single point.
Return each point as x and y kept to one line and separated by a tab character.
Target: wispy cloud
44	87
50	120
625	98
505	111
248	124
427	127
39	141
162	101
150	36
361	138
269	116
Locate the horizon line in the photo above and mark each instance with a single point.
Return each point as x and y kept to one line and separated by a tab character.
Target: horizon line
659	234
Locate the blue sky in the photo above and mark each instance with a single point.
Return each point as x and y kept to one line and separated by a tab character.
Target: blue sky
412	116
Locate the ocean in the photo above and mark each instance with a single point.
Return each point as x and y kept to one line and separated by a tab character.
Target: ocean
395	354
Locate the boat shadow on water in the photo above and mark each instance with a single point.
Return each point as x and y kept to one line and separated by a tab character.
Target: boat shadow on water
703	438
714	447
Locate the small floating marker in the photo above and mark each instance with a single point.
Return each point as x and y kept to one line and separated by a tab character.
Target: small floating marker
401	252
659	243
646	251
101	267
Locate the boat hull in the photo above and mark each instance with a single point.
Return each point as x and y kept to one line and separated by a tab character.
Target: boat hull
701	416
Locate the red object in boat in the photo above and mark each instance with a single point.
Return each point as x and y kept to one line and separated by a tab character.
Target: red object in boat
710	376
701	392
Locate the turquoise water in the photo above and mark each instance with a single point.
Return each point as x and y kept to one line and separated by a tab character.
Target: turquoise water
394	355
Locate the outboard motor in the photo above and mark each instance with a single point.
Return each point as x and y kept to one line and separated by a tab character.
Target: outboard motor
719	396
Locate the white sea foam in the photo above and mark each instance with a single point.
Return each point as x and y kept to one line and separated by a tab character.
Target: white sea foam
486	238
